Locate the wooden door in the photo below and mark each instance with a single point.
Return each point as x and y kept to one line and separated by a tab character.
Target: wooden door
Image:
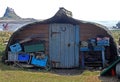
64	45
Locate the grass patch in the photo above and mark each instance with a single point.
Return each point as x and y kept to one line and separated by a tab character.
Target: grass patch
116	35
2	47
25	76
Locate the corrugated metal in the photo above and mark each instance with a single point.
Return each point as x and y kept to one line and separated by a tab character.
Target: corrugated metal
64	44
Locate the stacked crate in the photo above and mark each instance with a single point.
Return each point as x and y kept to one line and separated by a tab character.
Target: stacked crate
103	41
32	53
12	56
37	47
94	47
42	62
13	53
23	57
15	47
34	47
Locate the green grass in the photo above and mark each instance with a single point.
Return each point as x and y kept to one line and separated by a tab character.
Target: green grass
26	76
4	36
116	35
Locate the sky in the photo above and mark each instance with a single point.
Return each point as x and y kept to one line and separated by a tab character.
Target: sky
81	9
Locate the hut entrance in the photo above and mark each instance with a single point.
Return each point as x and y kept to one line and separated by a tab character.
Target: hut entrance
64	45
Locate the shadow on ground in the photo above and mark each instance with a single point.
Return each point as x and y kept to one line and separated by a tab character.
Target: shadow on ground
74	71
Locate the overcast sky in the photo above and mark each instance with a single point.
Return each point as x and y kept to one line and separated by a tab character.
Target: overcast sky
81	9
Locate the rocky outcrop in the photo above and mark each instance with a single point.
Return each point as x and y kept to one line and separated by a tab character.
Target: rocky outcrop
10	14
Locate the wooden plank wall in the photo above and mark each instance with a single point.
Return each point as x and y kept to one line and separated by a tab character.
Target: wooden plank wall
90	31
40	31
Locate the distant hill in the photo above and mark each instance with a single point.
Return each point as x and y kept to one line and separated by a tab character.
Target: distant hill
10	14
11	21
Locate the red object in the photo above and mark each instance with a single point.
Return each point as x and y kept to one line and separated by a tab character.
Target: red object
5	26
113	72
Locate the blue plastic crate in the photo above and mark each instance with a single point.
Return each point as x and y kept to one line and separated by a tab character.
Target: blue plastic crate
84	49
23	57
99	48
39	62
103	43
12	56
92	40
15	47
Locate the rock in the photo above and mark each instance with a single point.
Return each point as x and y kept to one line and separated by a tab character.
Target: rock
10	14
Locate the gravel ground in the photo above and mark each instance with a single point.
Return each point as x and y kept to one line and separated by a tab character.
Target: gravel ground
109	79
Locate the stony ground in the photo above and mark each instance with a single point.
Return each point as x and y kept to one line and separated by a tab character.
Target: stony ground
109	79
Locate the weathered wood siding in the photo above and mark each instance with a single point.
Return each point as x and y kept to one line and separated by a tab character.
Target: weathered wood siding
37	29
64	45
40	31
90	31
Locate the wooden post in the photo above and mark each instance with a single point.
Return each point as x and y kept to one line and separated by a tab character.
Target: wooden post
83	60
103	58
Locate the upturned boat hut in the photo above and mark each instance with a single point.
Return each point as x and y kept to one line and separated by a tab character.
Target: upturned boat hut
63	41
